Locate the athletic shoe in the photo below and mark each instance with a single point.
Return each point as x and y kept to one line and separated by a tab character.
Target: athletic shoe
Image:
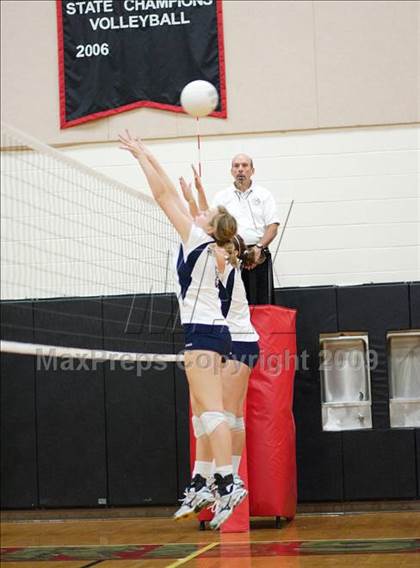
228	496
197	496
238	481
213	487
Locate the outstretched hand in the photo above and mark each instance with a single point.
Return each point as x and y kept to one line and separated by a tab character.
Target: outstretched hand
202	200
186	189
133	145
197	179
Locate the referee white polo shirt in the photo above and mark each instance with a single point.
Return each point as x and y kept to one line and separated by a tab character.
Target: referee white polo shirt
253	210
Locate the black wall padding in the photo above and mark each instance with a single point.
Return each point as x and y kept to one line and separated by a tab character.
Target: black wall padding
70	403
140	403
379	464
73	437
319	454
415	305
375	309
320	467
145	322
19	485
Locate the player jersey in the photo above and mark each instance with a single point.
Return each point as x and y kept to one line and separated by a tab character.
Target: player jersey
235	305
198	292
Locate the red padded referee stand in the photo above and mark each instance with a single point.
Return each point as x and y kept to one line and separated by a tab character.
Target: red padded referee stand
270	429
268	464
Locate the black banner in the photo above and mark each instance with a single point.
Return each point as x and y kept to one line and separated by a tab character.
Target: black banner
116	55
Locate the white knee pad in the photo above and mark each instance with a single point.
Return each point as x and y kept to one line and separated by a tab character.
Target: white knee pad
239	424
211	420
230	419
198	427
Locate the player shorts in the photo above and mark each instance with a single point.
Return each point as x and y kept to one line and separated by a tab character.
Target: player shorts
246	352
207	338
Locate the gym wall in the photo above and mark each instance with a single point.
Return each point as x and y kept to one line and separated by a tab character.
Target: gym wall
356	196
325	100
107	436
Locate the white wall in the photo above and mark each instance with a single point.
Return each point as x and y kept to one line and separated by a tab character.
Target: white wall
356	191
69	231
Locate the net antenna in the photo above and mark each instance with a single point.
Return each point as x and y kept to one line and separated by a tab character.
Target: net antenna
71	232
281	238
200	169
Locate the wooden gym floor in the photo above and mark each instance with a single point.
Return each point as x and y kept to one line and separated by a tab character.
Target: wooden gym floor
380	540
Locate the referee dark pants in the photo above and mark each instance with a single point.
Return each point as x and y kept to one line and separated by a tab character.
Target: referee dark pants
259	283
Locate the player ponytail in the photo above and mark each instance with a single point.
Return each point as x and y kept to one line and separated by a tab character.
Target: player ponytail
224	229
245	254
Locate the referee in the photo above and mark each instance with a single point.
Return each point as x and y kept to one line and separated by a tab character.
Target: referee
255	211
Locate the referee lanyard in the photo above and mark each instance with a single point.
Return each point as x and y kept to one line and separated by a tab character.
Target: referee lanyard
242	197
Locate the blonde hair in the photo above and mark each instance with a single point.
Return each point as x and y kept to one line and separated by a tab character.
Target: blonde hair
224	229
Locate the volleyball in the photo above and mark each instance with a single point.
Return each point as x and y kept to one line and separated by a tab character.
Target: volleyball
199	98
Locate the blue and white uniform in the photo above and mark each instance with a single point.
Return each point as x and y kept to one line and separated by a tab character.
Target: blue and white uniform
235	309
198	295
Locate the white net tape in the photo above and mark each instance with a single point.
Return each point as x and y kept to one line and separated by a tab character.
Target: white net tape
100	355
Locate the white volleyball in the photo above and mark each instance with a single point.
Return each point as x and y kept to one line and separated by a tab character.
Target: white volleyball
199	98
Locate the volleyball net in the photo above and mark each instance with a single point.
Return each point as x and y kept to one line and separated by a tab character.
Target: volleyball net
68	231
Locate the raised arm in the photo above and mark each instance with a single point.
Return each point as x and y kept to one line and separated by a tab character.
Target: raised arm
163	190
202	199
189	198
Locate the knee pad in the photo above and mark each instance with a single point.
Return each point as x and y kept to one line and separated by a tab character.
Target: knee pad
230	419
198	427
211	420
239	424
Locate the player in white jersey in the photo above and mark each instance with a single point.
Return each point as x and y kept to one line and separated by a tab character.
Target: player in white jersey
245	349
207	335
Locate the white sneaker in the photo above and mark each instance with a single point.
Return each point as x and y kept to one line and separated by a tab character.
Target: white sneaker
197	497
237	480
228	496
